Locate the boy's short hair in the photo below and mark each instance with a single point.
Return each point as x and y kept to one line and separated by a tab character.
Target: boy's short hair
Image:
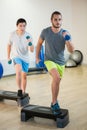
21	20
55	12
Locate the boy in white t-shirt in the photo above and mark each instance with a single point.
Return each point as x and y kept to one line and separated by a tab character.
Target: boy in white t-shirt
19	43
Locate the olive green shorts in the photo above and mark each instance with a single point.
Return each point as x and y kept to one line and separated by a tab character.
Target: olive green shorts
50	65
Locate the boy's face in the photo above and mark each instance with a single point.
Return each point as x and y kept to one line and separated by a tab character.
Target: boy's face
21	27
56	21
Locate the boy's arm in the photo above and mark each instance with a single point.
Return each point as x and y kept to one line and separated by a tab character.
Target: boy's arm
8	51
31	48
30	45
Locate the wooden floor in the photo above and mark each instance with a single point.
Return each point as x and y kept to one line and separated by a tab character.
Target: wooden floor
73	96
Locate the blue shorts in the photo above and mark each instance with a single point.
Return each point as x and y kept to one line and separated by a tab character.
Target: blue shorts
24	65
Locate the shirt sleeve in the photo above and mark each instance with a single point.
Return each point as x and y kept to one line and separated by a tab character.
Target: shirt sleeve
42	35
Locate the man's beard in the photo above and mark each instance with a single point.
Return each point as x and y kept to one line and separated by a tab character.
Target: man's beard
56	26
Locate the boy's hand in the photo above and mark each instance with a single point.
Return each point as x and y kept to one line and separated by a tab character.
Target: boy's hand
29	40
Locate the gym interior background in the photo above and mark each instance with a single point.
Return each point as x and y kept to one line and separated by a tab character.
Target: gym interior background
37	13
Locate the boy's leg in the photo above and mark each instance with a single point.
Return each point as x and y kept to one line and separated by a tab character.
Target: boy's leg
18	68
25	67
18	75
23	81
21	68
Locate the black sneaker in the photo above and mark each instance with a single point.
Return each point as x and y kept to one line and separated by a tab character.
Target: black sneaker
19	94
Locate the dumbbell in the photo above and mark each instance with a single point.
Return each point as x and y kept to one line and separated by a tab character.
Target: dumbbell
30	43
9	61
67	37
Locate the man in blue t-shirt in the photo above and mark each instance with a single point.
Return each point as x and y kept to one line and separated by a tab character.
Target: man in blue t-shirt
55	40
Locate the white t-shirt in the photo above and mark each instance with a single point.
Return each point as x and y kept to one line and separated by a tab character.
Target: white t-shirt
19	46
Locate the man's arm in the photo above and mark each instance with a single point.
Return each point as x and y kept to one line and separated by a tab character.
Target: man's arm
68	41
69	46
38	48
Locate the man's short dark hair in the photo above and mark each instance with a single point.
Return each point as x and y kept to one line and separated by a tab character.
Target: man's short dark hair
55	12
21	20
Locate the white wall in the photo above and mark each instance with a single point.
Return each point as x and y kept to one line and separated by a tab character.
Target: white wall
79	26
37	13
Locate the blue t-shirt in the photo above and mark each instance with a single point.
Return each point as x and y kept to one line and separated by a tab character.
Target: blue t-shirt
54	45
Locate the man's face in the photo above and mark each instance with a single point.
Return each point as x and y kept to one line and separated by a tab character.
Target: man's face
56	21
21	27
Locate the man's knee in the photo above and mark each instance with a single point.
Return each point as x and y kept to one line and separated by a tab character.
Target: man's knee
56	78
55	75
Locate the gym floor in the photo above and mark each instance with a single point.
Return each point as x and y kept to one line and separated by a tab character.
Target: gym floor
73	96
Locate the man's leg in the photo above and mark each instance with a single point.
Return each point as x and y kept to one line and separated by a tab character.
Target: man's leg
55	84
56	71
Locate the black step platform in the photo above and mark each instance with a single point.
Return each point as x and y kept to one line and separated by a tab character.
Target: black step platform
30	111
22	101
36	69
